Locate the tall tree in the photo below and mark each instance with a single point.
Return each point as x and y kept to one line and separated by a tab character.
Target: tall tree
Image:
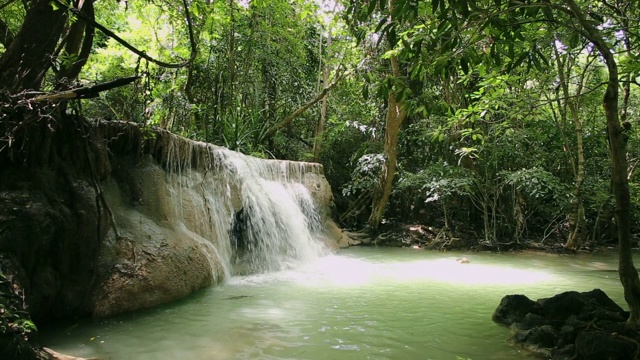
570	107
395	89
26	61
78	45
396	114
618	145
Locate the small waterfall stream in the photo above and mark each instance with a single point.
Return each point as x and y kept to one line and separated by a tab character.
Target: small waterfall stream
258	214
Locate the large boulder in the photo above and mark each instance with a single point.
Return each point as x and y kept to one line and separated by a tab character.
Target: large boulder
513	309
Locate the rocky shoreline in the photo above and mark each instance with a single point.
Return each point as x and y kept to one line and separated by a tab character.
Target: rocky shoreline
571	325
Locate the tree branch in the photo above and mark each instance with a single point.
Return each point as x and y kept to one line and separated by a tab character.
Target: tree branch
6	36
299	111
85	92
133	49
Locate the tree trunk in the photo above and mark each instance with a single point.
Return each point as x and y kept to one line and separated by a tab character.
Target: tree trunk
24	64
395	117
317	143
576	217
232	56
79	42
627	271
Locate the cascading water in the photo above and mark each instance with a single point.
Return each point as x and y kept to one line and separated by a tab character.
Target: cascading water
258	214
279	224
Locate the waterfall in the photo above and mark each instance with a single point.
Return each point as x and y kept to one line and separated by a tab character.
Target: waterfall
256	214
278	225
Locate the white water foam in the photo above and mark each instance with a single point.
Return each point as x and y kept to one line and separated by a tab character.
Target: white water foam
280	225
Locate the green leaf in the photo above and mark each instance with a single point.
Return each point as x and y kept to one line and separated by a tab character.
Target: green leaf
372	6
380	24
574	40
464	65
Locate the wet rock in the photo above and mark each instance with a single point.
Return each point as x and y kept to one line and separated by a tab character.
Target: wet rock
55	242
529	321
543	337
358	238
15	335
53	355
607	315
565	352
575	322
513	309
336	238
568	334
561	306
570	325
597	345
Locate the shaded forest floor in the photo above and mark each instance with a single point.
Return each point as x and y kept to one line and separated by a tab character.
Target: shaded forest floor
420	236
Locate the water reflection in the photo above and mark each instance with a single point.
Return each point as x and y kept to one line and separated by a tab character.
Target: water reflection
343	271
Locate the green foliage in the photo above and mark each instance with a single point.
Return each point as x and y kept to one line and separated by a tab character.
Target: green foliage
536	183
438	182
14	319
366	174
487	130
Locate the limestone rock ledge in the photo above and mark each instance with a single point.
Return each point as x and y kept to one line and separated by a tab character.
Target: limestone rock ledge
99	228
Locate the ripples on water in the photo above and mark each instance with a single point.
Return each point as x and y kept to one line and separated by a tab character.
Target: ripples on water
361	304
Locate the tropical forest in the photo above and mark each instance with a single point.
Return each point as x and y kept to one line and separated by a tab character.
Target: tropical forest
319	179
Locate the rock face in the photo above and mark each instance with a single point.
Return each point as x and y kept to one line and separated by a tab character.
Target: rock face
112	217
15	328
570	325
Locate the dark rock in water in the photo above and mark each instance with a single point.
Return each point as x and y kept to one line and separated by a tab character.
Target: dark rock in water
544	336
529	321
561	306
513	308
597	345
566	352
570	325
539	337
568	334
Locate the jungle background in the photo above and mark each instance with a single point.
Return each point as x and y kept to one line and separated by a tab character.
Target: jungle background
479	122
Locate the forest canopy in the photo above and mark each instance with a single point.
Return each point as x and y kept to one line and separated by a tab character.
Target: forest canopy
500	129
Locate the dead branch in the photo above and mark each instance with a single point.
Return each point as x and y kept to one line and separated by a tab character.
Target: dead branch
299	111
85	92
142	54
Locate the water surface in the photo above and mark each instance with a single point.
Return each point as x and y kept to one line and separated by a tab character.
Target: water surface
364	303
